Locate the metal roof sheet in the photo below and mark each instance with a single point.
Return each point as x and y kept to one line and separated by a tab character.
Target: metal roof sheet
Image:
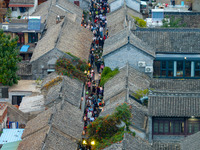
11	135
24	48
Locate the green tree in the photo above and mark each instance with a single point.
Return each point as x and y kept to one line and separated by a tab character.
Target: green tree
9	58
104	130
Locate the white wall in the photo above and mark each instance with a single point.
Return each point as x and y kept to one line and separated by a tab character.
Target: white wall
30	11
18	94
133	4
116	4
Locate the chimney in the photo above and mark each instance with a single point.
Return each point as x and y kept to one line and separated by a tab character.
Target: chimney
129	27
58	19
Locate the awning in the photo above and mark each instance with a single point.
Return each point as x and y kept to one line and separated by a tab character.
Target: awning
21	5
24	48
177	57
50	70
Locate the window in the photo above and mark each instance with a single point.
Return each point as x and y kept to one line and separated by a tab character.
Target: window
3	92
188	69
169	126
197	69
163	68
14	8
21	39
166	127
16	100
23	9
156	68
155	127
176	69
179	72
193	127
160	127
32	37
170	65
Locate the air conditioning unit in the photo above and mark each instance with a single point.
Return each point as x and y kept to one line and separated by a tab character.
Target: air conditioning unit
5	27
141	64
148	69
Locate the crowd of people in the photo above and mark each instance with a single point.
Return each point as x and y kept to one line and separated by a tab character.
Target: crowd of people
94	94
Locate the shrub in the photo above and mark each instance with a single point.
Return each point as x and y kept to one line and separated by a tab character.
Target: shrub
141	93
104	130
74	69
140	22
107	74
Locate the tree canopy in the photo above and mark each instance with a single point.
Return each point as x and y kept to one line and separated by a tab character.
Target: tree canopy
9	58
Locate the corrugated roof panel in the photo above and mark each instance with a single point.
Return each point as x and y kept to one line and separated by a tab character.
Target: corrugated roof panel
11	135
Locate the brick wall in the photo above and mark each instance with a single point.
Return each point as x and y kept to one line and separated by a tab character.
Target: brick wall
129	54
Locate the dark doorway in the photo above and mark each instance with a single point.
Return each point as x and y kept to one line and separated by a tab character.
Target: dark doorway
16	100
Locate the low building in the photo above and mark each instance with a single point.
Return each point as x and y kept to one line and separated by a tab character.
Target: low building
22	89
21	28
51	9
23	7
119	19
116	4
177	52
66	37
11	117
124	84
59	127
68	89
119	90
125	47
173	110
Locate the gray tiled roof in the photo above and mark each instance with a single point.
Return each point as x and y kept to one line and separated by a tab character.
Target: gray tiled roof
42	10
174	105
163	145
118	20
53	94
57	137
34	141
131	143
175	85
121	38
46	44
110	1
20	27
52	8
75	39
191	142
53	126
136	81
138	111
21	2
171	40
71	90
66	36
